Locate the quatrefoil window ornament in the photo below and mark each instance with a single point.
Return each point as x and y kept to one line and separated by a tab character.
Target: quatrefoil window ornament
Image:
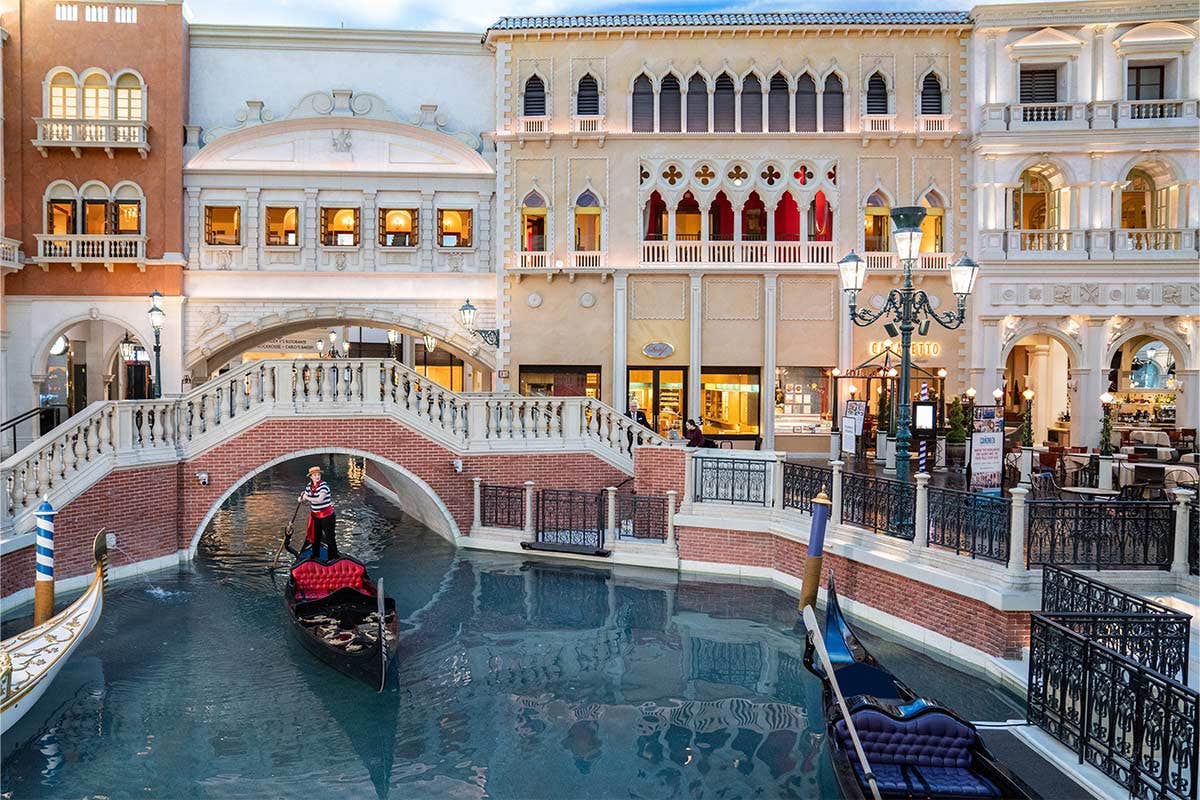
770	174
643	175
672	174
738	175
803	175
705	175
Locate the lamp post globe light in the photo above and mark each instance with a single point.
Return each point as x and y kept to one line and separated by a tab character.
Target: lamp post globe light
1027	423
157	318
907	308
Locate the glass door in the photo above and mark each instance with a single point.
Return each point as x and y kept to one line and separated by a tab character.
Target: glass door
661	392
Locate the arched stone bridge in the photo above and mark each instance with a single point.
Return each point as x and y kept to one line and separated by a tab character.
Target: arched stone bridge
155	471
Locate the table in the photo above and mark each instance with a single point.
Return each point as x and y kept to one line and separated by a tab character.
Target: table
1088	493
1139	471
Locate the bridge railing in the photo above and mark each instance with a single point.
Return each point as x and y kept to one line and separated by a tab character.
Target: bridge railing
77	453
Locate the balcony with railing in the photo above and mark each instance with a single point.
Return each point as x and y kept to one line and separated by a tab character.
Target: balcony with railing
533	259
533	128
934	124
1153	243
1128	244
10	255
1156	113
878	124
1035	117
86	248
588	259
685	252
587	124
81	134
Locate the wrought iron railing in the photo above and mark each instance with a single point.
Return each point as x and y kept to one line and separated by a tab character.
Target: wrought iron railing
1119	534
1107	677
970	523
502	506
802	482
741	481
878	504
640	516
570	517
1194	535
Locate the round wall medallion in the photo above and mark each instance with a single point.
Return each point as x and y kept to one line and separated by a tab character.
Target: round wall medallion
587	299
658	349
534	300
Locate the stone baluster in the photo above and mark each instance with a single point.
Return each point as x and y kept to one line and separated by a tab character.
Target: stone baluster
141	429
205	411
410	400
1016	533
556	410
58	455
477	494
43	474
1179	555
835	515
921	516
528	415
160	424
529	509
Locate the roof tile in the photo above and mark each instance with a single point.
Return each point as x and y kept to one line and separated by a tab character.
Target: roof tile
783	18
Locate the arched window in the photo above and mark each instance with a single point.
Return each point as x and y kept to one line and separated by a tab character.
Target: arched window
754	219
61	209
877	224
670	105
697	104
587	97
933	227
643	104
96	97
751	104
877	95
130	103
1143	203
654	219
724	105
931	95
833	111
587	222
806	104
687	219
820	219
125	211
95	209
720	219
1036	204
787	219
64	96
779	103
533	223
534	103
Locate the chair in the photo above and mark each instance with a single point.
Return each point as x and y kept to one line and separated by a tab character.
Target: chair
1174	477
1133	491
1043	487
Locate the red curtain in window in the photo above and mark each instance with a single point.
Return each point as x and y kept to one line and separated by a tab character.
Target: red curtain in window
787	220
821	227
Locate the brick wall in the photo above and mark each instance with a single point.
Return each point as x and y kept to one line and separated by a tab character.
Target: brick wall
963	619
657	470
155	511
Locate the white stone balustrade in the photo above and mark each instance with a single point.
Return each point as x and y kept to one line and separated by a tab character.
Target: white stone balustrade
10	253
80	133
90	247
680	252
111	434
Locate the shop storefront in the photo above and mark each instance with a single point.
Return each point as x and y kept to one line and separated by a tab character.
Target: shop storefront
731	402
557	381
661	392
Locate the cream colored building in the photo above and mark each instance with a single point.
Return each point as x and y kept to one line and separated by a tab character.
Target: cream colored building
674	192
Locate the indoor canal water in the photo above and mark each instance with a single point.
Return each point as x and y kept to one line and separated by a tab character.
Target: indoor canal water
517	678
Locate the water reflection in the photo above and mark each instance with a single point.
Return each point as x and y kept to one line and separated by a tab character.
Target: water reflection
514	679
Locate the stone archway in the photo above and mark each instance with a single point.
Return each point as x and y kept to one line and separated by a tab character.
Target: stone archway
417	496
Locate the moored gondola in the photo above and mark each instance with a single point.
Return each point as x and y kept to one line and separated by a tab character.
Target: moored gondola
914	747
342	617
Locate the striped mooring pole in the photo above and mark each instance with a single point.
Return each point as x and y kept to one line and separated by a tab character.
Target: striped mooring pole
43	585
921	451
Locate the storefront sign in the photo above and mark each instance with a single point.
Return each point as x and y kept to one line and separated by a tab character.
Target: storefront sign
987	451
848	424
658	350
919	349
856	410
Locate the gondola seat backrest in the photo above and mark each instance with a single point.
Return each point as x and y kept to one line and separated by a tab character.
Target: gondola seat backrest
928	740
315	580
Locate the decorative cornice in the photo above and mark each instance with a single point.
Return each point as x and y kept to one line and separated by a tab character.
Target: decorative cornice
1081	13
256	37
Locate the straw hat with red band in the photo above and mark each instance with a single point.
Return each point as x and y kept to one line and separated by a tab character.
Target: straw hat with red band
311	470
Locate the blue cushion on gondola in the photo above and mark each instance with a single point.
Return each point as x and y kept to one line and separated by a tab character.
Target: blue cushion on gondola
928	740
938	781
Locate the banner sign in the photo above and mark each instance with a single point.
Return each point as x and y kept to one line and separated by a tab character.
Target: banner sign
848	438
856	410
987	451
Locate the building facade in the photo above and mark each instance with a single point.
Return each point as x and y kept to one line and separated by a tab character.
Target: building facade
644	206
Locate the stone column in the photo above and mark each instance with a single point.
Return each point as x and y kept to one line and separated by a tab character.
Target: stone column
1038	370
921	516
368	226
620	355
671	494
770	316
990	67
835	493
695	326
1179	560
194	219
426	218
408	350
477	493
253	225
309	231
1016	532
529	532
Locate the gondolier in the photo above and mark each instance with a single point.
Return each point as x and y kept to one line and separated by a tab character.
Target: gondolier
321	517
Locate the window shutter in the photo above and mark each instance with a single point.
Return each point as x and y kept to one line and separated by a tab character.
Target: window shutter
697	105
724	112
535	97
806	104
1039	86
877	96
931	95
779	106
833	107
751	105
670	105
587	99
112	224
643	105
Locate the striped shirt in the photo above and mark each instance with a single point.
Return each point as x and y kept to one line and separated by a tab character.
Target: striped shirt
318	497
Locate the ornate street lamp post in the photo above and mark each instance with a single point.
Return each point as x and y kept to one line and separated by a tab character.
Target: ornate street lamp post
1027	422
392	336
1106	403
907	308
157	318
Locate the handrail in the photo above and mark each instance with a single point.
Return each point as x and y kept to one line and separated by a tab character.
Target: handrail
814	633
11	423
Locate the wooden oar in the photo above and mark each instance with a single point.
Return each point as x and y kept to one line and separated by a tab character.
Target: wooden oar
383	649
287	535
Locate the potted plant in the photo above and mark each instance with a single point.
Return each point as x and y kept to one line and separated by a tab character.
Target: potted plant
956	437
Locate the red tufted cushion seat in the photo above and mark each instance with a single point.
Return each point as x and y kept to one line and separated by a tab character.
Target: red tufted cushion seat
315	580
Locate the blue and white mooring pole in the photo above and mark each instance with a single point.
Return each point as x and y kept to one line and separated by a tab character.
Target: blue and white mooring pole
43	585
821	506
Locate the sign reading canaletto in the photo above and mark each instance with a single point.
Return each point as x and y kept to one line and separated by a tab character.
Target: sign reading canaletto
658	350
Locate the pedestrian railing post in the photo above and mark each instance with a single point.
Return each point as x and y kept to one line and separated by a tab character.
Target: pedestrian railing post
477	488
921	516
1104	480
529	509
610	517
689	479
1026	467
1016	531
777	482
671	517
836	515
1179	556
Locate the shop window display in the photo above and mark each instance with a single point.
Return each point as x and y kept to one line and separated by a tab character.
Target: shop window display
730	402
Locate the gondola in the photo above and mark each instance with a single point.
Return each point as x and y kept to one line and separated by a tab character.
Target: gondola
915	747
342	617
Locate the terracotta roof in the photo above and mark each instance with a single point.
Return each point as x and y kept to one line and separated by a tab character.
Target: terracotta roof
782	18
